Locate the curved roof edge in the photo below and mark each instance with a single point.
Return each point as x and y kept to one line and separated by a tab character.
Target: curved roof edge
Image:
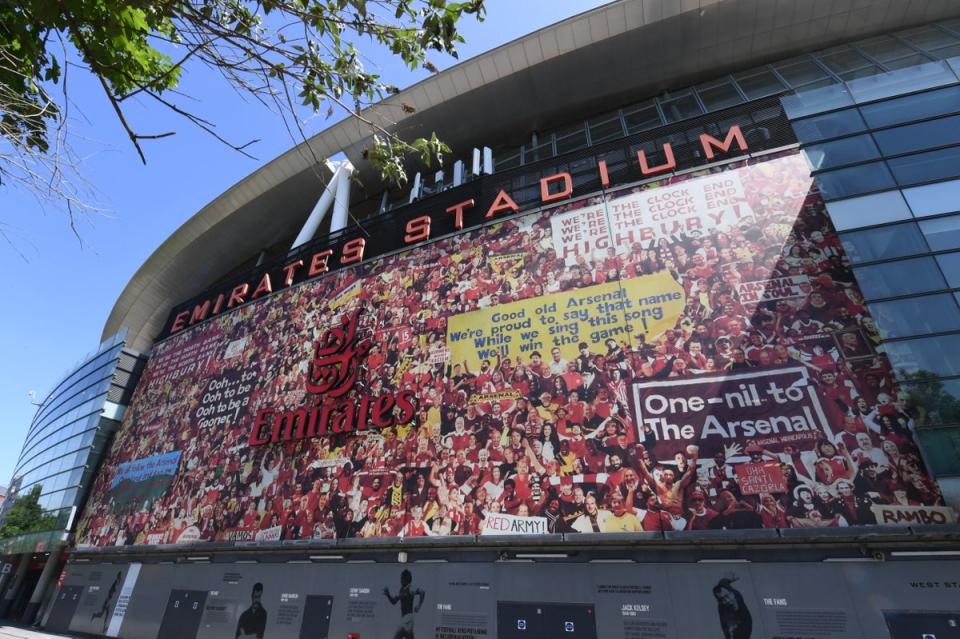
626	50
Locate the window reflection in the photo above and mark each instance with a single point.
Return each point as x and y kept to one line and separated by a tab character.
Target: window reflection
907	79
845	151
917	137
897	240
942	448
899	278
813	98
950	265
830	125
934	199
912	107
916	316
868	210
926	167
941	399
936	355
942	233
855	180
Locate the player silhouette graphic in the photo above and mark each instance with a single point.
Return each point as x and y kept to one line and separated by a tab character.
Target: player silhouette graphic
105	608
405	596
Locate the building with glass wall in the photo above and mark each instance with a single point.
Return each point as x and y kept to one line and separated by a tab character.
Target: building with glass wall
674	340
68	436
884	152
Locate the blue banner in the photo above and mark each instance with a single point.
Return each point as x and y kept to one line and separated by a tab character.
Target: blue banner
143	469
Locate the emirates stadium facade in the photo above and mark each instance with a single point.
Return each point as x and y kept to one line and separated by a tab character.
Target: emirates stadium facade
670	352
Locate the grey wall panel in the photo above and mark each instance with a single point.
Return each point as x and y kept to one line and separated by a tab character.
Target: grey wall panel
101	587
462	600
805	600
892	587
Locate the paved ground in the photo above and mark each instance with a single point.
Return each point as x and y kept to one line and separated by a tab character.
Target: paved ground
17	632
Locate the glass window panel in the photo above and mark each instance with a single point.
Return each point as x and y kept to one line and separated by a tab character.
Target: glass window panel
540	151
857	74
950	265
934	199
58	431
845	151
899	278
912	107
800	72
644	118
608	127
87	437
719	95
572	140
913	60
898	240
901	81
936	355
868	210
855	180
828	82
946	52
940	400
70	496
844	60
885	48
680	107
917	137
925	167
507	160
81	457
828	125
916	316
91	401
102	363
942	450
942	233
68	401
927	38
759	84
812	99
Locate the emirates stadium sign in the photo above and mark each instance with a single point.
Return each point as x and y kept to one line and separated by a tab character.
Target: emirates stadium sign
423	226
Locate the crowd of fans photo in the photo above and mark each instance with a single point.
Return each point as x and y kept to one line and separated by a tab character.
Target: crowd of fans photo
541	434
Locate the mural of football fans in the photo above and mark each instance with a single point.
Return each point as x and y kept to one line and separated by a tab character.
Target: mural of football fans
688	354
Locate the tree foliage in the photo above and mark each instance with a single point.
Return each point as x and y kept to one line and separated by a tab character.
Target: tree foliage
288	54
26	516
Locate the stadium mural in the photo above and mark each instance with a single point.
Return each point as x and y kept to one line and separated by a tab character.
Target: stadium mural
689	354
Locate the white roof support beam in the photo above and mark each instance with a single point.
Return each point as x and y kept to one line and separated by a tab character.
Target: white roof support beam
341	197
336	193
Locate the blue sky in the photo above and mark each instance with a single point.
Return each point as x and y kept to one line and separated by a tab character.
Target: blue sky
57	294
